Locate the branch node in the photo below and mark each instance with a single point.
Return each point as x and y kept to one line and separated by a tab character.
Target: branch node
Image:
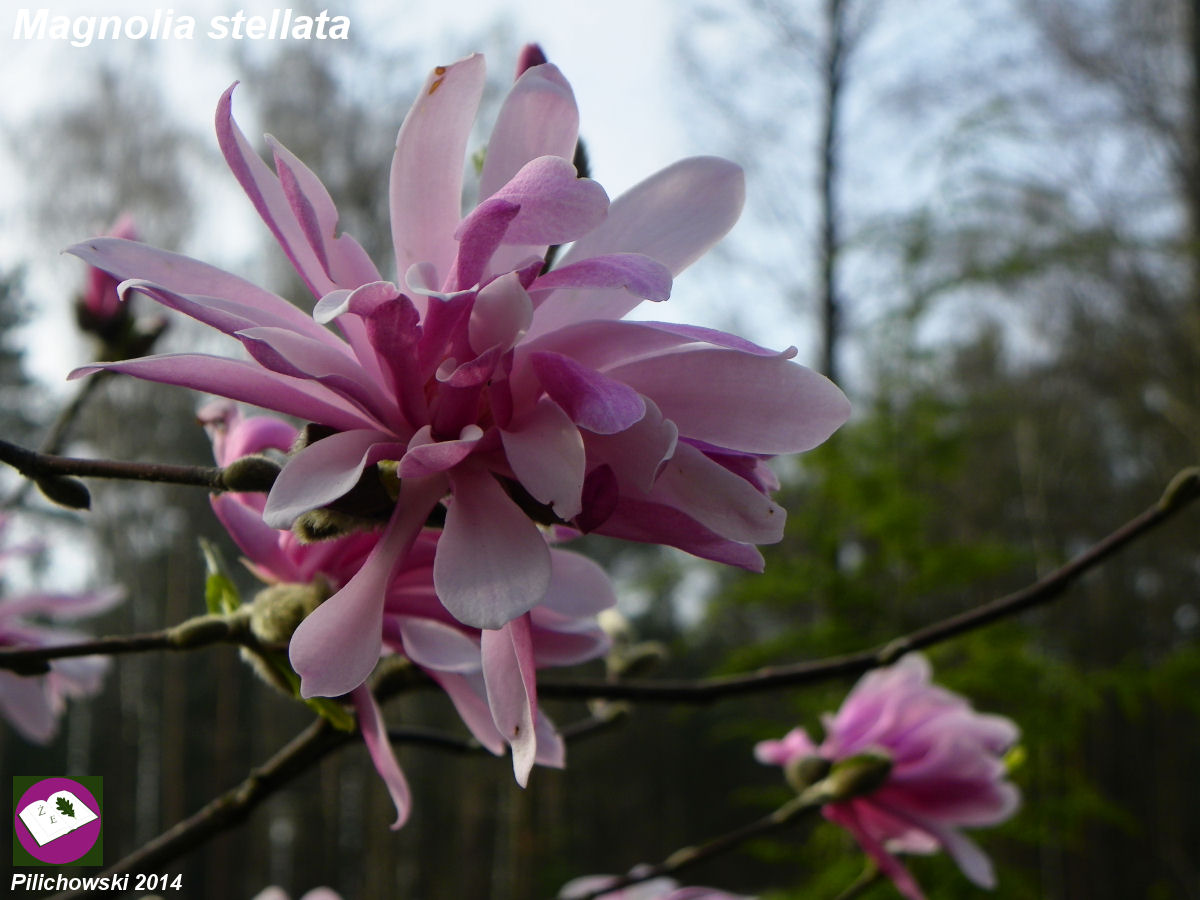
893	650
1184	488
68	492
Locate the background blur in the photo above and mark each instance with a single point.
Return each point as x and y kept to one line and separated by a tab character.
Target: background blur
983	220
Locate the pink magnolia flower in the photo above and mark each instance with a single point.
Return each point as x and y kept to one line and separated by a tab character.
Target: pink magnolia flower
101	303
33	704
278	893
489	675
655	889
502	390
946	770
100	310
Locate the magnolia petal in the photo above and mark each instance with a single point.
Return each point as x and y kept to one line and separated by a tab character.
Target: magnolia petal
593	401
439	646
633	272
345	261
740	401
222	314
241	380
500	315
538	118
478	236
321	473
673	216
973	862
24	703
546	453
551	748
492	563
718	499
796	744
234	436
171	271
844	814
254	537
638	454
374	732
556	204
337	645
467	693
62	606
508	673
288	353
425	456
563	641
269	198
704	335
579	587
653	523
425	192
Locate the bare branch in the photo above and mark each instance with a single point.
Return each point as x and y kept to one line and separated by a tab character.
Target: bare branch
790	813
36	465
1183	490
313	744
200	631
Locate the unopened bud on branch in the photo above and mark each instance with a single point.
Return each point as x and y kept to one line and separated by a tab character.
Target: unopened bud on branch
250	473
805	771
857	775
279	609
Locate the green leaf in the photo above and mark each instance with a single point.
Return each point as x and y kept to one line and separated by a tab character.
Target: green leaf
337	714
220	594
65	807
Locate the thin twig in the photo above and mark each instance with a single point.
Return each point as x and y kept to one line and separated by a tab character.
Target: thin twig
313	744
200	631
1183	490
790	813
32	464
869	877
59	429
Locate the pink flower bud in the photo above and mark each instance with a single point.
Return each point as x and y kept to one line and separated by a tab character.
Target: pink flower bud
100	303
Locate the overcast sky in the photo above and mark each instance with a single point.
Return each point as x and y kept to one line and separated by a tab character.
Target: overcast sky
617	56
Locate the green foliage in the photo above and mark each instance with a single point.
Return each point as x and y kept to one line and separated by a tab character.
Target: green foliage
220	594
64	806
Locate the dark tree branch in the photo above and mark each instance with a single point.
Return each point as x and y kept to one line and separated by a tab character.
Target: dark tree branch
1182	491
60	429
198	632
36	465
790	813
313	744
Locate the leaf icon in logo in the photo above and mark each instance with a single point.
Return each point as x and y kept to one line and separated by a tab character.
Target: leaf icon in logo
65	807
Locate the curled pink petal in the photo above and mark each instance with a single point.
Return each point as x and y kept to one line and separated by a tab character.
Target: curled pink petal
336	647
592	400
374	732
321	473
508	672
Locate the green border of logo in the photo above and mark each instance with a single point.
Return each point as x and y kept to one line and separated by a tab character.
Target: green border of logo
94	857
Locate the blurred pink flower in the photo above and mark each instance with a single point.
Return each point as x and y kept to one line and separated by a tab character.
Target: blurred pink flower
655	889
946	770
101	303
33	704
489	675
278	893
506	392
